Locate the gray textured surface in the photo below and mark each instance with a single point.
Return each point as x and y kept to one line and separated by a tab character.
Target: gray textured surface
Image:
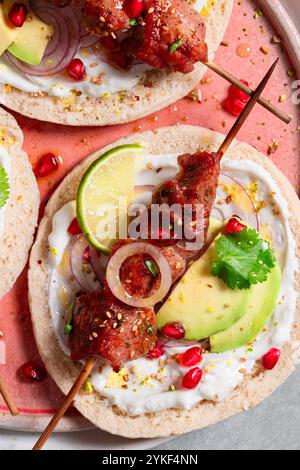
275	424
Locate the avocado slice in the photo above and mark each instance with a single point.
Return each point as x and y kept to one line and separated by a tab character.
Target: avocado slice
202	302
31	39
262	303
8	34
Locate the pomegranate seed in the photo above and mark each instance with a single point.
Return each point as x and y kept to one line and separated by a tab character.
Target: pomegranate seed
74	228
34	371
173	331
134	8
234	226
46	165
236	93
270	359
233	106
157	351
192	378
76	69
17	14
191	357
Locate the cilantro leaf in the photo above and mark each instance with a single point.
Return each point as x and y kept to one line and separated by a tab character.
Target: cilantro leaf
4	187
242	259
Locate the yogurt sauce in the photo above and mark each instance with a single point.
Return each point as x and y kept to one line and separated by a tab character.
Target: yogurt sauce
6	164
145	385
111	80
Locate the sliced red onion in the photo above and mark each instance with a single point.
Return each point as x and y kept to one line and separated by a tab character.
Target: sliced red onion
173	343
99	263
79	268
57	22
67	20
144	187
2	352
249	217
90	40
113	274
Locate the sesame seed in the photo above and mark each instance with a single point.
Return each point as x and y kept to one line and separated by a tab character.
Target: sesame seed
95	335
108	314
151	10
119	316
115	325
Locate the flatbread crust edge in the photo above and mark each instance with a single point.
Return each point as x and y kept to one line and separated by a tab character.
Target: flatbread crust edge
173	421
167	88
21	211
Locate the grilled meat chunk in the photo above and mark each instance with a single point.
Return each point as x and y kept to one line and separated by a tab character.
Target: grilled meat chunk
171	36
140	281
103	326
111	14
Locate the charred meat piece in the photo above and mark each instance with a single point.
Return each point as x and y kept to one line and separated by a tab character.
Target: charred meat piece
104	327
111	14
140	281
172	36
196	183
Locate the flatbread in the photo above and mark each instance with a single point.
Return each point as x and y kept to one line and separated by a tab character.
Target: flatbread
160	89
173	421
21	211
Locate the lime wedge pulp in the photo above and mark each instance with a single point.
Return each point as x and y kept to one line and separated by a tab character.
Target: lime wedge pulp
104	193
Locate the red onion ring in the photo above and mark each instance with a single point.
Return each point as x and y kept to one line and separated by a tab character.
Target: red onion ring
173	343
86	281
69	40
99	263
113	271
144	187
252	218
90	40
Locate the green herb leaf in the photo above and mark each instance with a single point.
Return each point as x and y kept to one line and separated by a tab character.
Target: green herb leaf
68	326
175	45
152	267
4	187
242	259
68	329
133	22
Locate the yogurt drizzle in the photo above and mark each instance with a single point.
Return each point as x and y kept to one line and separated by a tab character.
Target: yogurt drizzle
145	385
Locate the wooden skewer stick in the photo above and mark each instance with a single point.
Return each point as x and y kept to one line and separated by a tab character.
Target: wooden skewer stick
234	81
247	110
67	402
90	364
4	392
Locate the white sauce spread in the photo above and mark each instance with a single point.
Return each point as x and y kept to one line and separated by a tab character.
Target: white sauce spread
111	80
145	385
6	164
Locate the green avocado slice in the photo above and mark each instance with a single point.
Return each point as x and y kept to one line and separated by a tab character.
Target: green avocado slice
30	41
262	303
202	302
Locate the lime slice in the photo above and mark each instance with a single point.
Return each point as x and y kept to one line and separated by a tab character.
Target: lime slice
105	192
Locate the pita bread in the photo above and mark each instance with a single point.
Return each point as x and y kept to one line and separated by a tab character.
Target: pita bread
160	89
254	388
21	211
